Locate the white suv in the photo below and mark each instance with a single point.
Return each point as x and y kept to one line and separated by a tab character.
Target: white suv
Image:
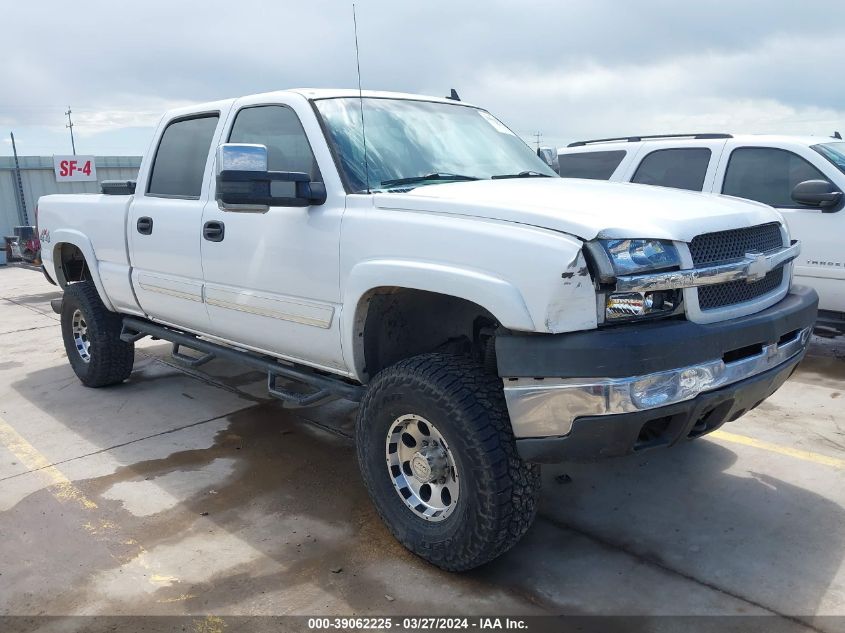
801	176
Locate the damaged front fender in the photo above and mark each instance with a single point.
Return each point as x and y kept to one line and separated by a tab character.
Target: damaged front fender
572	301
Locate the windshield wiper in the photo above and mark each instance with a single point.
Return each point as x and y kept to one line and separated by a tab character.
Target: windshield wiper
418	179
522	174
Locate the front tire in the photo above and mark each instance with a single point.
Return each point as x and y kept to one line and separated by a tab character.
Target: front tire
91	335
439	460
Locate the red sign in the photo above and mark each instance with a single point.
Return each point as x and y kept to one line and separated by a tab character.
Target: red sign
74	168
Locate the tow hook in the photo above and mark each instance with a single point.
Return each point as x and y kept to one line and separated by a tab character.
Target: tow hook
56	304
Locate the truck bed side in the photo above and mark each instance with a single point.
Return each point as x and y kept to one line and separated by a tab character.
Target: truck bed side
94	224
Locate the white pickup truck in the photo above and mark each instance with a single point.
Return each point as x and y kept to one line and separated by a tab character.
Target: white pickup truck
418	257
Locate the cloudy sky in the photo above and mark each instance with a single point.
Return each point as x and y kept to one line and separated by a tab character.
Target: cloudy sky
569	69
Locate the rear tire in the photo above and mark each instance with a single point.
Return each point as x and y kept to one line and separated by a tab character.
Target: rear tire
91	335
448	405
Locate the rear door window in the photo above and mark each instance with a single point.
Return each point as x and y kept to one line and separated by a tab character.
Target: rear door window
591	165
679	168
767	175
180	159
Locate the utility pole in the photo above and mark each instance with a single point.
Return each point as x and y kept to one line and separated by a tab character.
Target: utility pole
537	137
70	127
19	198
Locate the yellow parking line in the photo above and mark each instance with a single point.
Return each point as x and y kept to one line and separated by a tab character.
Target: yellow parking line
61	486
64	491
797	453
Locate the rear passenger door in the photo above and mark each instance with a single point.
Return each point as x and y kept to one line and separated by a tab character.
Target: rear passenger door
165	222
692	168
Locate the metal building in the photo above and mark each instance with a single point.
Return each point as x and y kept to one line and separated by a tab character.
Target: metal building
38	179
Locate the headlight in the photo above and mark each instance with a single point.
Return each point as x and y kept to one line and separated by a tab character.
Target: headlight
615	258
629	257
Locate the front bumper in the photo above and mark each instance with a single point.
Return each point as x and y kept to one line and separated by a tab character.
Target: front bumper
647	384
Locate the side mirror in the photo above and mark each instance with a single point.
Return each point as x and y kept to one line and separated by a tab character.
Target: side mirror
243	180
816	193
549	156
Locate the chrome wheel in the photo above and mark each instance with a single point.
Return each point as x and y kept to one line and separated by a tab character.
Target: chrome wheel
79	328
422	468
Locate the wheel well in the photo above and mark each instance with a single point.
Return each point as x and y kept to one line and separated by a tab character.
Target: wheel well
396	323
72	266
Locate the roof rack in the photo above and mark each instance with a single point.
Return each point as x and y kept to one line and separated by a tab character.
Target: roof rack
637	139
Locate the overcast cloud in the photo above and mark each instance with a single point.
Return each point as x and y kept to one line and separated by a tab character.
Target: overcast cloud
570	69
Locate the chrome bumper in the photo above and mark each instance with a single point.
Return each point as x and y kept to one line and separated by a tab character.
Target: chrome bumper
548	407
752	267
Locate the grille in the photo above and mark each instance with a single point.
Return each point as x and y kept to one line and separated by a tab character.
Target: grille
713	248
721	295
734	244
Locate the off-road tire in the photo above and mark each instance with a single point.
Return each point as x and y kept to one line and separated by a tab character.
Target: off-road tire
111	359
498	491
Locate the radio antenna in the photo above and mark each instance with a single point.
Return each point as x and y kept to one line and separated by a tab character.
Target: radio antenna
361	98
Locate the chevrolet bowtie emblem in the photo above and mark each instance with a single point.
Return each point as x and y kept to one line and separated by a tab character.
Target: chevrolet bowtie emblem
758	267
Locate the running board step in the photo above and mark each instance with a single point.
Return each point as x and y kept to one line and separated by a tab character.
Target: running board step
190	361
324	387
296	400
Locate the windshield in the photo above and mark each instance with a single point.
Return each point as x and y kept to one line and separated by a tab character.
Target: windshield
422	142
834	152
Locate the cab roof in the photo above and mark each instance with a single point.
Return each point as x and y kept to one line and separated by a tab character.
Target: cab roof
311	94
329	93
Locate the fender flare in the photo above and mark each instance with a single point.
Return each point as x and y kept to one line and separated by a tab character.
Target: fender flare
499	297
80	241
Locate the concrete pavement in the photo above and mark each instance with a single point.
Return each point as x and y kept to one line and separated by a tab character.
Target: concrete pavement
187	491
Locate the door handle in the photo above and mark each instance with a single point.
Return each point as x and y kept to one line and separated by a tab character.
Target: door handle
214	231
145	225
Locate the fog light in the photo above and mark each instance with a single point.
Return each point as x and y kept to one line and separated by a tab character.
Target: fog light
659	389
628	305
654	391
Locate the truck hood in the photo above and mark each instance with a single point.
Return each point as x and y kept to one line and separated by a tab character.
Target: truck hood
586	208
